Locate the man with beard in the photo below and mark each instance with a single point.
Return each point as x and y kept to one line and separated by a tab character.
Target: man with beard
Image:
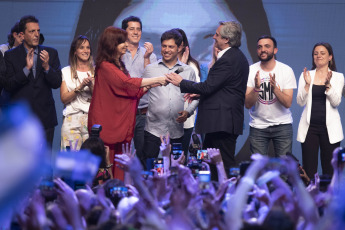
268	98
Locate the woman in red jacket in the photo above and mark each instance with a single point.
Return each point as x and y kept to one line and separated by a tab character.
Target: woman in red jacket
116	95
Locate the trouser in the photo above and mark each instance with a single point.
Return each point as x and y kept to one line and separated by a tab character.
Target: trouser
281	136
73	130
226	143
49	134
138	138
317	137
186	140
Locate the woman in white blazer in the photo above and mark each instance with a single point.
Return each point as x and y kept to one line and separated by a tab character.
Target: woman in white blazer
320	92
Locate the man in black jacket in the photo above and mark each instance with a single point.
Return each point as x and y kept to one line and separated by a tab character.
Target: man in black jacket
220	111
32	71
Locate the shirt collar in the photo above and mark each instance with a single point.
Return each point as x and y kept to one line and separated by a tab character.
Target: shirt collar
178	63
35	51
137	49
220	54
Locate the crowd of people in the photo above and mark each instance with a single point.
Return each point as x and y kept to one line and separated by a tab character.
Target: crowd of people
132	95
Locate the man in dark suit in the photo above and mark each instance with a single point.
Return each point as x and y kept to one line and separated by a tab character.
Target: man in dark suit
220	111
31	73
2	71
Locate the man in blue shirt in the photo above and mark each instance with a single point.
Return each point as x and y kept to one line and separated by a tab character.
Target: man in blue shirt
136	59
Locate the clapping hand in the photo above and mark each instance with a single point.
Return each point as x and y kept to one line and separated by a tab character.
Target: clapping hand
44	56
273	82
306	76
257	80
328	79
30	58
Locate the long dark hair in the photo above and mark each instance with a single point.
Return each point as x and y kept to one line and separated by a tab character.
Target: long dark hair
72	59
107	47
331	63
10	38
96	146
186	43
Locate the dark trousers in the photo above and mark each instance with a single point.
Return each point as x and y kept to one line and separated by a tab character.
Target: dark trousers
151	145
317	137
226	143
186	140
49	133
138	138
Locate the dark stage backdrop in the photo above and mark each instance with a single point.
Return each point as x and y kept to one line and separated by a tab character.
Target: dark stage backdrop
296	24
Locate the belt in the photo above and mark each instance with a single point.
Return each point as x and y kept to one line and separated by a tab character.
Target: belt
142	111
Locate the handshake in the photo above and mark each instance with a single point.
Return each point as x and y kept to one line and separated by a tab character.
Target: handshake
173	78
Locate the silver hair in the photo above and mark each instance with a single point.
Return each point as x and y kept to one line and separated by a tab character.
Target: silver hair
231	30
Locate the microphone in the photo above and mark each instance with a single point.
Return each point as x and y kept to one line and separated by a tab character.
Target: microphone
179	70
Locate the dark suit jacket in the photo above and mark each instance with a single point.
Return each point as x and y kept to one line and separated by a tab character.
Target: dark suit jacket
2	71
221	105
36	91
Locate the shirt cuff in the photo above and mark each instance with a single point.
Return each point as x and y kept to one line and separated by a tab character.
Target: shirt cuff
26	71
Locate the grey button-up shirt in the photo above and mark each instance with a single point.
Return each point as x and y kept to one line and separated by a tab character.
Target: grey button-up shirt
135	67
166	101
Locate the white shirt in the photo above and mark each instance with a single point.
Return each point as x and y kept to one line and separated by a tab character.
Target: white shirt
268	111
189	123
82	102
220	54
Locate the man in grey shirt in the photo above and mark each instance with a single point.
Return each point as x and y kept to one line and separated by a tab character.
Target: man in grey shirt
166	113
136	59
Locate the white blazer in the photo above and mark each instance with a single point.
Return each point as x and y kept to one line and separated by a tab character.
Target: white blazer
333	99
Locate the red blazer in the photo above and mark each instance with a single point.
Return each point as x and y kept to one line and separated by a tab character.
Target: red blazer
114	103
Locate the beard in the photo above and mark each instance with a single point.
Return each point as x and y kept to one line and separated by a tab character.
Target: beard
268	58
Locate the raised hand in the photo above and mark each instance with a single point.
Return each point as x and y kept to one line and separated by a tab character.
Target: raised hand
257	80
273	82
214	155
165	147
126	157
30	59
69	203
306	76
44	56
178	161
149	49
328	79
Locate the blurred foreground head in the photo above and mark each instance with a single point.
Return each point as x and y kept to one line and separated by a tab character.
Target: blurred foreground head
22	149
